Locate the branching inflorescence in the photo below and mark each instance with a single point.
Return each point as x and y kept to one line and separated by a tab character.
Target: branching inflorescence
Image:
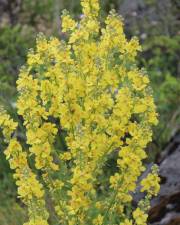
92	86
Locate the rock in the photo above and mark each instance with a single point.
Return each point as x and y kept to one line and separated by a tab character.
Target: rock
165	208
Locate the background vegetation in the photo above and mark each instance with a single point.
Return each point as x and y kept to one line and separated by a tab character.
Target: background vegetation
155	23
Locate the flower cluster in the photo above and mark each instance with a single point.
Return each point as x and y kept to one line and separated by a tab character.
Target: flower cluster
30	190
91	88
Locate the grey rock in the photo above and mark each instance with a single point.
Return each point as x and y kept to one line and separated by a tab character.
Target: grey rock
165	208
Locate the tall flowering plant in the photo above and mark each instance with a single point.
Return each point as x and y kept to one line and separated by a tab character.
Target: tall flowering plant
91	88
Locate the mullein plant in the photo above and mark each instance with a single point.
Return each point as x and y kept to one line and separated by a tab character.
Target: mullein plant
90	87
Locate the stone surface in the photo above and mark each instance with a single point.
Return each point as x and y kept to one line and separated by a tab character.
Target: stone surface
165	208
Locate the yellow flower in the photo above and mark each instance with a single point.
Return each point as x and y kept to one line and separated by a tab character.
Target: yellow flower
68	23
65	156
132	47
126	222
90	7
150	184
37	221
140	217
98	220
